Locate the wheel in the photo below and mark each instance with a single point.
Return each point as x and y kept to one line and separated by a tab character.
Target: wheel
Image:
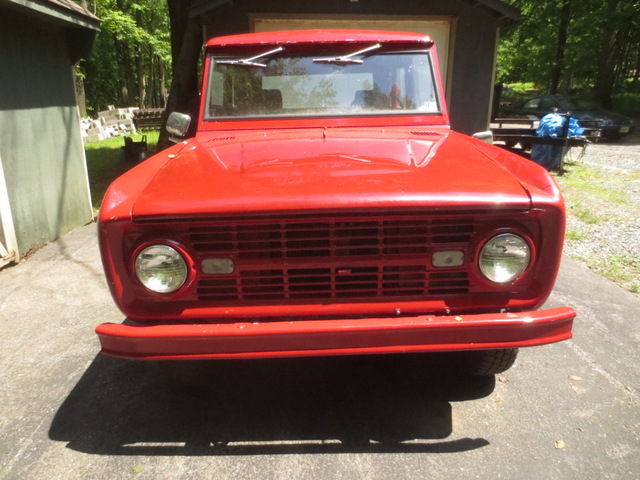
487	362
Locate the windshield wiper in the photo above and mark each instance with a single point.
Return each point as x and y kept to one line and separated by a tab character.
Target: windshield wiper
346	59
249	62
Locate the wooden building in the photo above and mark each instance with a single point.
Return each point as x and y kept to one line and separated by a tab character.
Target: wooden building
44	191
465	32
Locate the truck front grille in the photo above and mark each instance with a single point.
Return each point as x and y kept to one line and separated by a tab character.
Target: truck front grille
338	258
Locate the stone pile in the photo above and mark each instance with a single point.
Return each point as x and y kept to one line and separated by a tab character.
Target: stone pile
113	122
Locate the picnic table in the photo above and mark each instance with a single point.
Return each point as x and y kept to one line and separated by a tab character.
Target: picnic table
522	131
519	135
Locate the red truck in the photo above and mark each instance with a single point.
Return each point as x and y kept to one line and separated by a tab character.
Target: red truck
324	206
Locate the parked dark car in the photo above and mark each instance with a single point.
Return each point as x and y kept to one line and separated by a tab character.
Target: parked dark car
614	125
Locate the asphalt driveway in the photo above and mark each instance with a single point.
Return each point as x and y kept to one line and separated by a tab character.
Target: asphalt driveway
567	410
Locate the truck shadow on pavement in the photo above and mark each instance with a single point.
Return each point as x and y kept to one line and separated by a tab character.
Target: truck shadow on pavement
278	406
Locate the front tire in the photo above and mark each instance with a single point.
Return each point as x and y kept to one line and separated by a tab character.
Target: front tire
487	362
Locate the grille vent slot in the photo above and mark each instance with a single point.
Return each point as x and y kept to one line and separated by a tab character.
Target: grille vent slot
334	283
344	259
328	239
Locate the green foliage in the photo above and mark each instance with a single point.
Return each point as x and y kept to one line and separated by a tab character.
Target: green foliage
627	103
582	179
602	45
575	235
522	88
621	269
131	60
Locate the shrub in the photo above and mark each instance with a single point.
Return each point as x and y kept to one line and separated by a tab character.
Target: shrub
627	104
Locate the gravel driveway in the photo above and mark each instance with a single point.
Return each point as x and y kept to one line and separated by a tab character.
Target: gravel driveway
602	193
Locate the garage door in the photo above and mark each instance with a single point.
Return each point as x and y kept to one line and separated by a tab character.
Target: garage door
438	28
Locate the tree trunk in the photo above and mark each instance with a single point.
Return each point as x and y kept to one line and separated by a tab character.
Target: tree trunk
142	80
635	84
81	98
558	67
186	45
607	57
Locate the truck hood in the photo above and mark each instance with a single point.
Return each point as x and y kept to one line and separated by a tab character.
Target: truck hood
322	169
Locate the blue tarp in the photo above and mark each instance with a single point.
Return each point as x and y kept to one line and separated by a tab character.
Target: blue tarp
550	156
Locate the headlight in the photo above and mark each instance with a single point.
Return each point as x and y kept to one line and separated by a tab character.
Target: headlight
161	268
504	258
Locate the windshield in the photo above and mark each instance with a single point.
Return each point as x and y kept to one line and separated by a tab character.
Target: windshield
276	84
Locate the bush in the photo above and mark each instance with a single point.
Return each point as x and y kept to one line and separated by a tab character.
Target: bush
523	88
627	104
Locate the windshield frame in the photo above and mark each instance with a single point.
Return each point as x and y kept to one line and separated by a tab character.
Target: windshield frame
211	64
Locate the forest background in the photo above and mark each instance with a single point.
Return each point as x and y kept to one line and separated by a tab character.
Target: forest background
147	53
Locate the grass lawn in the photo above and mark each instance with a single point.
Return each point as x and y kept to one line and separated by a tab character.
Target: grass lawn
105	162
601	200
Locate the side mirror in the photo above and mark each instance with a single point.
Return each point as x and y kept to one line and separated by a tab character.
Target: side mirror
484	136
178	124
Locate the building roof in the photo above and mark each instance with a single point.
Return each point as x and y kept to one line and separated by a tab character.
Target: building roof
64	12
504	13
70	5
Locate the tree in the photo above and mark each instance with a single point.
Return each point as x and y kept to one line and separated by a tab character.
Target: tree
619	30
130	64
186	47
567	45
558	66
